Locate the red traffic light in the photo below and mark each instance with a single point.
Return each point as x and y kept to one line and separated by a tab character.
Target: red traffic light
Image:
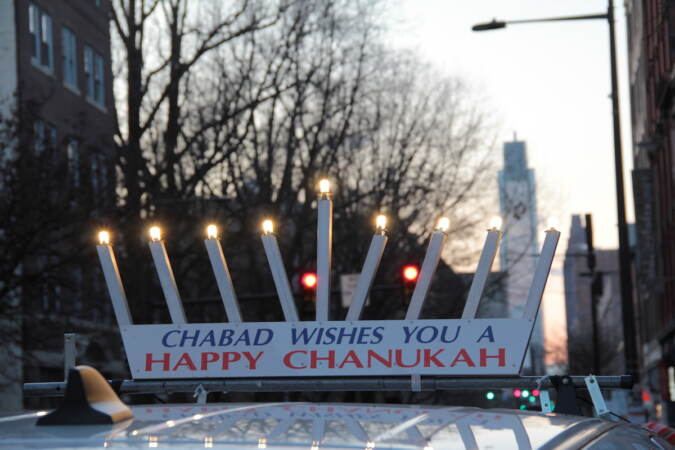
410	273
308	280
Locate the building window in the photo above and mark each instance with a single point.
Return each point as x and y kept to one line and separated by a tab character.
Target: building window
98	173
33	26
74	161
42	45
88	63
44	136
51	296
95	174
94	72
98	79
69	58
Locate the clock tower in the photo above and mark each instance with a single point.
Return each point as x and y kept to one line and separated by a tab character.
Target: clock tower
519	248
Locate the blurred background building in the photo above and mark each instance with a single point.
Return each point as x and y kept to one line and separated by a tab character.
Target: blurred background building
602	354
520	246
651	27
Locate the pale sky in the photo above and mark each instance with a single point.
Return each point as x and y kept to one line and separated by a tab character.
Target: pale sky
548	82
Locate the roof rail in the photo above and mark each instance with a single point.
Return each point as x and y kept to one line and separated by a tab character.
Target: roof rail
332	384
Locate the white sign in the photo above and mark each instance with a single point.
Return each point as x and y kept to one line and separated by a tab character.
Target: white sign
301	349
348	284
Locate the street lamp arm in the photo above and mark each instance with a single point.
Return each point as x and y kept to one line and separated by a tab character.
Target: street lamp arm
562	19
496	24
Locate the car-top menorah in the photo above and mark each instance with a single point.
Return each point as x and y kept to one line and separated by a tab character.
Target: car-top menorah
325	355
466	346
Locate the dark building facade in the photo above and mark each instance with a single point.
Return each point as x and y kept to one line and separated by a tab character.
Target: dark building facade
651	27
608	358
56	86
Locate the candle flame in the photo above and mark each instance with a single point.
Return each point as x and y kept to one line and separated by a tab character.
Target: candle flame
212	231
381	222
552	223
496	223
155	233
103	237
324	186
443	224
268	226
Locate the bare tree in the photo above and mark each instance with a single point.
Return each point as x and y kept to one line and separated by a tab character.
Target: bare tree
234	112
163	154
164	45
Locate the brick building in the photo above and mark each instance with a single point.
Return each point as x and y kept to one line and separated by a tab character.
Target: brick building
651	27
56	83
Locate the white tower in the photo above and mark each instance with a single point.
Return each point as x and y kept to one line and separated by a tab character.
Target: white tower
518	204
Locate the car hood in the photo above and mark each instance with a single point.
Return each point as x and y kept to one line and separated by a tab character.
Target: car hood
300	425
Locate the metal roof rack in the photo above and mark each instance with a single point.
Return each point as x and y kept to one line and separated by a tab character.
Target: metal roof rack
321	384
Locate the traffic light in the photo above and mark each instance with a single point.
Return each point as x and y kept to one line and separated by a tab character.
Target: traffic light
490	395
525	398
410	273
308	281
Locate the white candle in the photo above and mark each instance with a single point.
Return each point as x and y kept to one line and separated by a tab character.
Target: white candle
273	253
485	262
369	269
324	251
222	274
541	274
429	265
113	280
166	278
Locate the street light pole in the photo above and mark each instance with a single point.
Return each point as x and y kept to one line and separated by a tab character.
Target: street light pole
630	347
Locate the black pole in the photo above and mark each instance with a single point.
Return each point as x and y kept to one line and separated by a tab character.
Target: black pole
629	343
590	258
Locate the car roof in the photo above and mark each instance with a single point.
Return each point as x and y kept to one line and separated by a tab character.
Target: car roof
307	425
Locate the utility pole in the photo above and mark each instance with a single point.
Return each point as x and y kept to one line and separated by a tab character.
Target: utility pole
630	346
596	290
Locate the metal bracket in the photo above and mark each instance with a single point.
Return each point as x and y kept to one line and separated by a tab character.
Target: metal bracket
69	353
544	397
545	400
416	383
200	394
567	396
598	399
